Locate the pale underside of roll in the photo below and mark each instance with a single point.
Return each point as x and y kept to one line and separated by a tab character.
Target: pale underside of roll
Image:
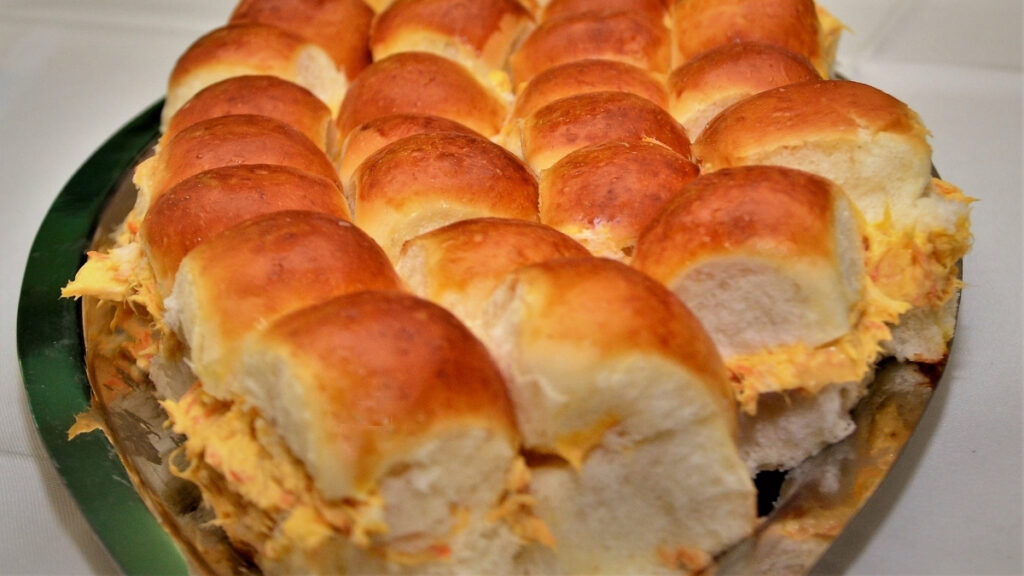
502	287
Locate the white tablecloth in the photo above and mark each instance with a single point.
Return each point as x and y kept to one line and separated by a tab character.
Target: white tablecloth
73	71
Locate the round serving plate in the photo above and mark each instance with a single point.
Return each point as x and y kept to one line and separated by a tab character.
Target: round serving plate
151	522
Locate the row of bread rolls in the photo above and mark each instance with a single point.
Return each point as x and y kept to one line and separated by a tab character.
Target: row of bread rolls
482	154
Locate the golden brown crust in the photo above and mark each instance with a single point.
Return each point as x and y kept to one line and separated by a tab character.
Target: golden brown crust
705	24
268	266
578	121
607	193
250	45
263	96
441	176
200	207
389	369
583	76
622	36
655	10
739	210
420	83
373	135
488	28
482	251
795	114
731	72
340	27
234	140
614	309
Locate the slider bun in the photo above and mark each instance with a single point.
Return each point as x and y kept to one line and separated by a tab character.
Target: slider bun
568	124
869	143
240	280
479	34
340	27
201	206
722	76
654	10
386	397
421	83
623	36
604	195
373	135
764	256
705	24
460	265
225	141
262	96
617	381
252	49
425	181
583	76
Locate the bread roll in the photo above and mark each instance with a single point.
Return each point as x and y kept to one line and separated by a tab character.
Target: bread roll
243	278
705	24
604	195
421	83
373	135
568	124
226	141
623	36
252	49
262	96
460	265
201	206
479	34
765	257
615	380
772	261
720	77
425	181
395	409
340	27
584	76
868	142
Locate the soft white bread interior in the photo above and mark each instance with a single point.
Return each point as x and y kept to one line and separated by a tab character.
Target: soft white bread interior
875	148
765	256
866	141
617	387
340	27
772	261
604	195
240	280
460	265
253	49
425	181
394	407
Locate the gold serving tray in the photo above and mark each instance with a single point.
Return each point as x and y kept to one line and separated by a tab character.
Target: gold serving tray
805	510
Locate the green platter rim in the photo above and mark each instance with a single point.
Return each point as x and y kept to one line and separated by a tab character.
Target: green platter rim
51	351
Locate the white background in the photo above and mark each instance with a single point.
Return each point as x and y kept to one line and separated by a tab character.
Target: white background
73	71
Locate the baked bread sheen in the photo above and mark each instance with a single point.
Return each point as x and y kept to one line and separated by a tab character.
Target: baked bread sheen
503	287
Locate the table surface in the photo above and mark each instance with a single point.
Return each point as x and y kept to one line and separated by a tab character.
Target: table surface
73	71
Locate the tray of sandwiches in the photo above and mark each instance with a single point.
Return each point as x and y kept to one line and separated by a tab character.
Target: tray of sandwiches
504	287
